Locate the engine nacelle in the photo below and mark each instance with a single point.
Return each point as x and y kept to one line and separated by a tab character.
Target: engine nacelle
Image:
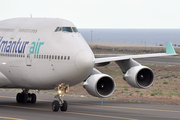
99	85
139	77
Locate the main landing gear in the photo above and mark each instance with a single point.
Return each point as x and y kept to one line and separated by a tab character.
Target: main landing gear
26	97
60	103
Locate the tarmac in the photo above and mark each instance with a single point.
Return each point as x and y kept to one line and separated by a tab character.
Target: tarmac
83	109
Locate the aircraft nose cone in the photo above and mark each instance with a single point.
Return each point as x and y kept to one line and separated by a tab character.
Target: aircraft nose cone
84	61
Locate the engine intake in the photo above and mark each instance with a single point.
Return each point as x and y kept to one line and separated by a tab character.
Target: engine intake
99	85
139	77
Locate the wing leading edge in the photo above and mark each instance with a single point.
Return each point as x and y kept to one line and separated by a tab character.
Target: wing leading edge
169	51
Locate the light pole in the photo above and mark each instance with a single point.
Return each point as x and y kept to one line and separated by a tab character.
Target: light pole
91	35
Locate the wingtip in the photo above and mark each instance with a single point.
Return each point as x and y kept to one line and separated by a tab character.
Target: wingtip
169	48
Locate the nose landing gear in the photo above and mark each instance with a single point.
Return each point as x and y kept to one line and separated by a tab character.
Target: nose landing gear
60	103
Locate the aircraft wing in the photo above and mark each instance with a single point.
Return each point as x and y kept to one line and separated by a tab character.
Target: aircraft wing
169	51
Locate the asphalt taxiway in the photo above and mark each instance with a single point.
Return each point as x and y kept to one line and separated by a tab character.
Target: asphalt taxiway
169	60
83	109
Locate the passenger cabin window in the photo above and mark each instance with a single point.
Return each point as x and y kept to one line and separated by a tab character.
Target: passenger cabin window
74	29
67	29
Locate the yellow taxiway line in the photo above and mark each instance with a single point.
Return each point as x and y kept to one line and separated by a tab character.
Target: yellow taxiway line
130	108
10	118
158	110
86	114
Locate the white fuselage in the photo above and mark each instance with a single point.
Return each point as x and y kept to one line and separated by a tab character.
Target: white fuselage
35	56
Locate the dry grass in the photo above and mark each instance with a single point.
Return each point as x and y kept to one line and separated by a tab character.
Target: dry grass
129	48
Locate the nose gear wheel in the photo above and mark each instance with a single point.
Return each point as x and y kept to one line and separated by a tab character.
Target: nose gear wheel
60	103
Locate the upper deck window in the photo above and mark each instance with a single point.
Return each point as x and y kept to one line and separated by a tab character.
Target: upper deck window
74	29
67	29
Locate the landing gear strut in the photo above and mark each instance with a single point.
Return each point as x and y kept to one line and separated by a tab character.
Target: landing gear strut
60	103
26	97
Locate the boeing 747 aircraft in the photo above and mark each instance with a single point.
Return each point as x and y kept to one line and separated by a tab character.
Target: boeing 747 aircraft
44	53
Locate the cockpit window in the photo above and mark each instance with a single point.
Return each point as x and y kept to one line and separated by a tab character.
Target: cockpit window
74	29
67	29
58	29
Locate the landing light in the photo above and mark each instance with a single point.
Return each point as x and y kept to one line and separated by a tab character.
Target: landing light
4	63
59	91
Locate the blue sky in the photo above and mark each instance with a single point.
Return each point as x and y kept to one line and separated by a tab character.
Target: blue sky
99	13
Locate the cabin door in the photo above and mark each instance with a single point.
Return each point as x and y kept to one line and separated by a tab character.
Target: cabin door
28	57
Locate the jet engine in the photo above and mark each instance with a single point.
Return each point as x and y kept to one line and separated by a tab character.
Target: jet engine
139	77
99	85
